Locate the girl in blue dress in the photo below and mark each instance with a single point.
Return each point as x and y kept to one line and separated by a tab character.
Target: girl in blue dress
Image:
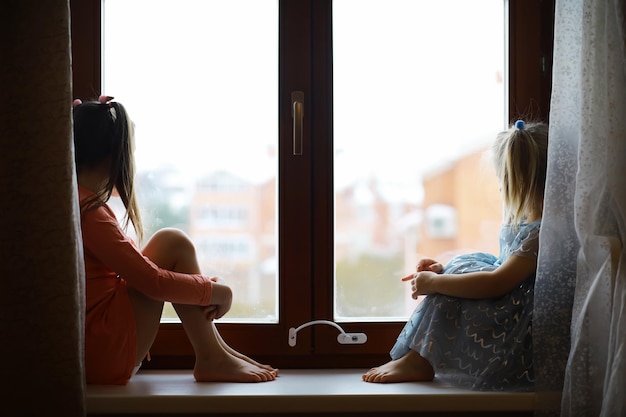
474	328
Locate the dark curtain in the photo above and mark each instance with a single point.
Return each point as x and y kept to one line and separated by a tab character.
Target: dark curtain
41	269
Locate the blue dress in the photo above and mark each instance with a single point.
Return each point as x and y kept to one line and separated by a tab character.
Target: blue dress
483	344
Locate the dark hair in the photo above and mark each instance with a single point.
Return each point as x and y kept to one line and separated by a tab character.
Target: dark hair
103	134
521	158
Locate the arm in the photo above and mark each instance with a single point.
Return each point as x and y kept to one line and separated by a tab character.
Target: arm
483	284
104	240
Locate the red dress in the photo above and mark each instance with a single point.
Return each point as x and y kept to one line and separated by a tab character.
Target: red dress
112	263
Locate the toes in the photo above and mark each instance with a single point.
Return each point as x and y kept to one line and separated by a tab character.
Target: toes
266	375
370	376
375	375
381	378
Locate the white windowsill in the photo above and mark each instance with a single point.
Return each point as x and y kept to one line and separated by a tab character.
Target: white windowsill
296	390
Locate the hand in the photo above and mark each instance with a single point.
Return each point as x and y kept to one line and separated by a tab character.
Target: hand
427	264
209	312
221	301
422	283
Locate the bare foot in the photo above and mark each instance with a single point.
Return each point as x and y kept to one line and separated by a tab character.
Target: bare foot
230	368
255	363
410	367
235	353
246	358
251	361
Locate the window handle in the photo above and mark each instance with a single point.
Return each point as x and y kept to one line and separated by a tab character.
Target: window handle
297	114
343	337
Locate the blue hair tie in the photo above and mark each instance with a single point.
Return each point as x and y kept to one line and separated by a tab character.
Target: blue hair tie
519	125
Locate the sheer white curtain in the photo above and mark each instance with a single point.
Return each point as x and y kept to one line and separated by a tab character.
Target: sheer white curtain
582	264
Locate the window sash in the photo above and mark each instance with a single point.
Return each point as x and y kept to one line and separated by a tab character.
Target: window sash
305	52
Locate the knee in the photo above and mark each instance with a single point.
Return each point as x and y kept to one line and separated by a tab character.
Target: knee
174	237
170	233
171	242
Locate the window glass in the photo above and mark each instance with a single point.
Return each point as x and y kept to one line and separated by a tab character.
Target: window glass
199	80
419	94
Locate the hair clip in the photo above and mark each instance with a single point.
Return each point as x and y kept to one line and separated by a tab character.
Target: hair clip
520	124
77	102
105	99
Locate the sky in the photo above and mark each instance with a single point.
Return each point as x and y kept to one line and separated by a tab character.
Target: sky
416	84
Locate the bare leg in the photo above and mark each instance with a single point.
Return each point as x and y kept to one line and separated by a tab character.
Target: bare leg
147	317
215	360
242	356
410	367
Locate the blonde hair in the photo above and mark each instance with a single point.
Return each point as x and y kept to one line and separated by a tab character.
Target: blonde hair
521	156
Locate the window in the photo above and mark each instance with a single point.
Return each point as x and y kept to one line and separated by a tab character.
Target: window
311	221
397	128
441	221
221	217
201	91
